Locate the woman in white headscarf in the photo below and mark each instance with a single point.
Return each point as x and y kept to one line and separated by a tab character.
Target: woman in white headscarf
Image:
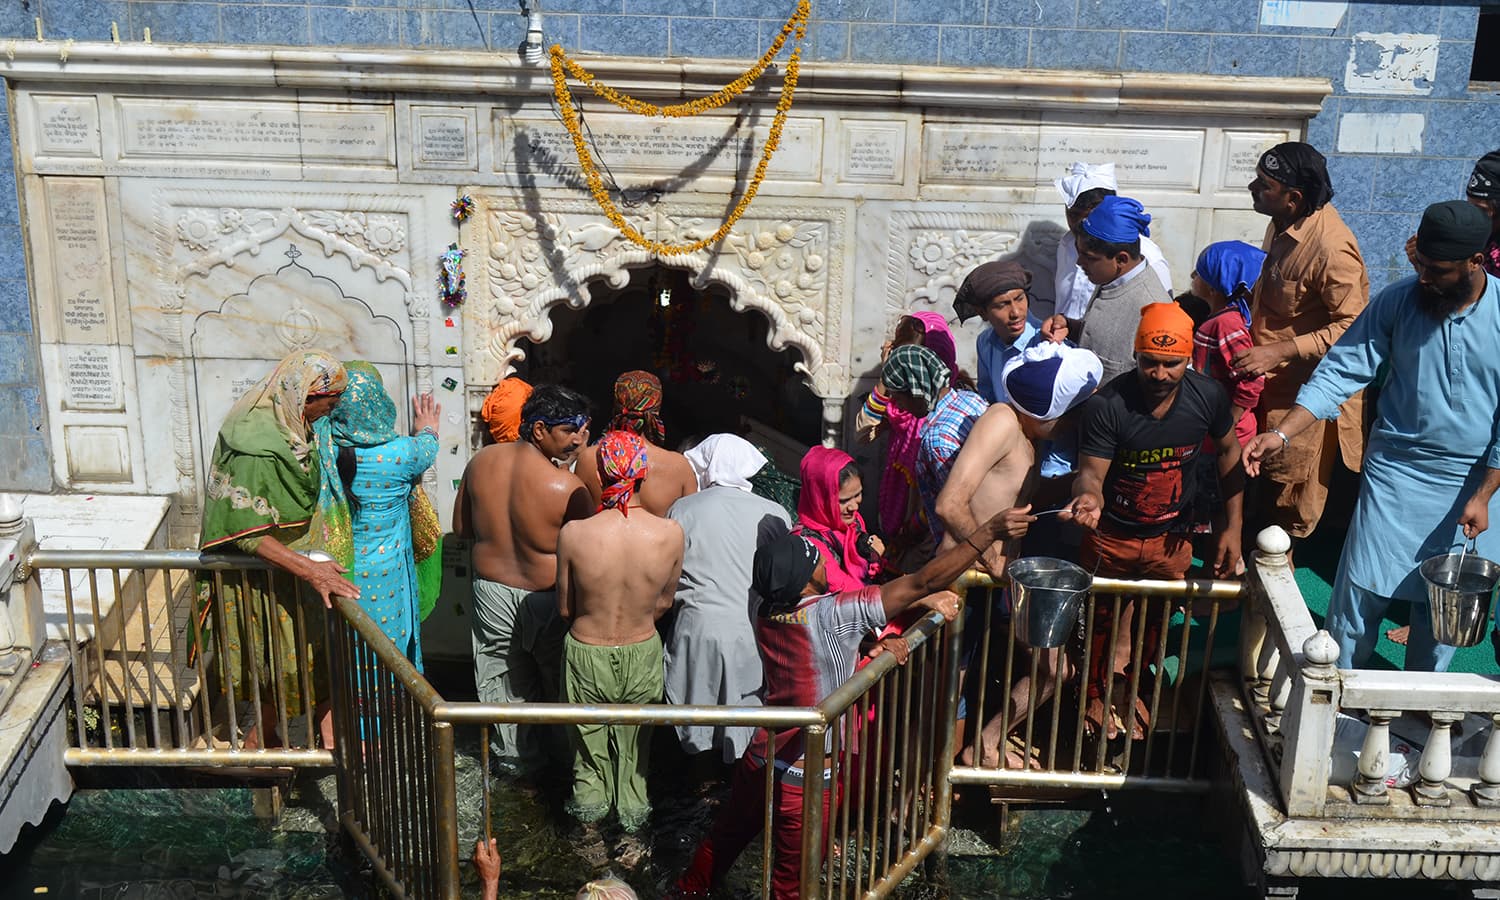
711	653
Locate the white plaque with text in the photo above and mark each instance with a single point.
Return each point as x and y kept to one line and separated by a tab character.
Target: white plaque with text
1242	152
703	146
446	137
1032	155
255	131
91	378
79	248
872	152
68	126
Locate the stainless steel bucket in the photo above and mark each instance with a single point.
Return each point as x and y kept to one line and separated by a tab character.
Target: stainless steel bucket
1460	591
1046	595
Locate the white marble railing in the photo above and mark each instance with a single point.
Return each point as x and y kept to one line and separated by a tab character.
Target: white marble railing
1297	693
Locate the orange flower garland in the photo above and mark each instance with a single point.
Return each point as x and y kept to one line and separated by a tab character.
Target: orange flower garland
562	66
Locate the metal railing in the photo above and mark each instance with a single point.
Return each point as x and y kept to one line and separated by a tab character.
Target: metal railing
151	648
1048	728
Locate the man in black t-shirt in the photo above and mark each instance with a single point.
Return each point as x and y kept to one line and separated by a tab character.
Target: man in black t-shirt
1138	440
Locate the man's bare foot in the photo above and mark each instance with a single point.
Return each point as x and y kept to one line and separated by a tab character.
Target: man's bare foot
1399	635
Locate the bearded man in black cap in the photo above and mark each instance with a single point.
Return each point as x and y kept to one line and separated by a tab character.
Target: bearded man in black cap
1312	287
1433	464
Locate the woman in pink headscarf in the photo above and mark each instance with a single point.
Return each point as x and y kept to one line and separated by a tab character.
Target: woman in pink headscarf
828	515
901	516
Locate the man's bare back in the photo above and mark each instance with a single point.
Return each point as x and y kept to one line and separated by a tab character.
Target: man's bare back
617	574
512	504
993	472
669	478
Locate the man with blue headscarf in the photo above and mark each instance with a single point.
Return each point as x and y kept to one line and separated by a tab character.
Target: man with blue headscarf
1109	252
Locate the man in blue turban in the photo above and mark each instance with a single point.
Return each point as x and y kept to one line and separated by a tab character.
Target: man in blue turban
1109	252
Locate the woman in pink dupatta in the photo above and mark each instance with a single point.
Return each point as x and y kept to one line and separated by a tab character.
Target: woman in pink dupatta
902	518
828	515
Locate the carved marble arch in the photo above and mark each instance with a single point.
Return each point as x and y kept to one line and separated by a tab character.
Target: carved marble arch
197	233
785	263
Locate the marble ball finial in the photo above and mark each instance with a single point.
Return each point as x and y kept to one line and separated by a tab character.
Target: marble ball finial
1320	649
1273	540
10	513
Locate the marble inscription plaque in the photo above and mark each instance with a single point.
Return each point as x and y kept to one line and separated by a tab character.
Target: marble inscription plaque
69	126
1031	155
92	378
80	260
873	152
445	137
254	132
1242	151
704	145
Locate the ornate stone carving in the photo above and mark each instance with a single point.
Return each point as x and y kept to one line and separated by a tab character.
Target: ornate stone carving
930	253
782	262
1358	864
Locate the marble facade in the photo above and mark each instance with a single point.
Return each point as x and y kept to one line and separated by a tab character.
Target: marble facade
191	216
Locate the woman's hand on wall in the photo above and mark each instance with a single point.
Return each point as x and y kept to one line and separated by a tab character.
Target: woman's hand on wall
424	413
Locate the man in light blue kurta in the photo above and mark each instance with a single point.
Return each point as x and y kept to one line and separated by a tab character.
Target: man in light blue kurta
1433	462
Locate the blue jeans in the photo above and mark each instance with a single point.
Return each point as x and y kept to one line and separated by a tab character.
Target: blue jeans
1354	616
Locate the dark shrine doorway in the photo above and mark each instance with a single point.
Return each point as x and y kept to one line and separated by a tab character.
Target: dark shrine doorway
717	372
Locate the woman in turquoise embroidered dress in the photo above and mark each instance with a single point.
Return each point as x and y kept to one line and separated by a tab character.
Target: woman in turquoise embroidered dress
394	556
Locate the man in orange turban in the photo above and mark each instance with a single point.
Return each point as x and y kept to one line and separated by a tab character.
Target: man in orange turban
502	409
1138	452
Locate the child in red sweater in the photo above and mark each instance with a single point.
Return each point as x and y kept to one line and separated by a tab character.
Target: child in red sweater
1225	278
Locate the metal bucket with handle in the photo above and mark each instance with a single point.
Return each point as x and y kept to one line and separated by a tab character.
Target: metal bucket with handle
1046	596
1460	591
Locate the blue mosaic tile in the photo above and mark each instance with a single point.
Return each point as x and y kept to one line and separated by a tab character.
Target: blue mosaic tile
625	35
12	259
446	28
82	20
15	306
1459	23
1410	184
17	21
31	408
507	29
33	468
1322	130
1143	15
1382	237
1451	80
941	12
1353	180
17	364
1323	58
378	4
185	23
1067	48
1466	130
716	38
909	44
589	7
1004	48
1395	18
1145	51
356	27
1028	13
268	25
1219	16
855	10
826	41
700	8
1244	55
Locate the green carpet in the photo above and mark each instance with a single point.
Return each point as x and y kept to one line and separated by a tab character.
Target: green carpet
1318	560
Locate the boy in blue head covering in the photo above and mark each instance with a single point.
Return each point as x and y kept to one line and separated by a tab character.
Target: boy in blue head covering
1224	278
1109	253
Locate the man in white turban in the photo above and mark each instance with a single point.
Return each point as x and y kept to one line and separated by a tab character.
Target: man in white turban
1081	190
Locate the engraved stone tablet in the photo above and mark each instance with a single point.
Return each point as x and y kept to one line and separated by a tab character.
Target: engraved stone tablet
706	145
92	378
873	152
445	137
253	132
1031	155
80	260
69	126
1242	151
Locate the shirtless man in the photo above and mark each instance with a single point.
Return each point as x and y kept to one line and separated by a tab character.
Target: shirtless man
638	410
996	470
616	574
511	504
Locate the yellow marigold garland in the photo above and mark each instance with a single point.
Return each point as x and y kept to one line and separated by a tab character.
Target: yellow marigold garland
561	66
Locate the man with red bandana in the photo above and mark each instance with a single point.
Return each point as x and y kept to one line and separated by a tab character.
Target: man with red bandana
617	573
637	410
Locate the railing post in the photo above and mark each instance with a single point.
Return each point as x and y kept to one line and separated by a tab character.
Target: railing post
1431	788
22	628
1374	758
1487	792
1307	728
1257	645
445	784
813	798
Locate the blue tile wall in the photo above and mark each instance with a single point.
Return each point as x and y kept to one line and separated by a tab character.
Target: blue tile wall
1380	195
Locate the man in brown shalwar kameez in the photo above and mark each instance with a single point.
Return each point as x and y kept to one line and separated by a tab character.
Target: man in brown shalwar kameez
1312	287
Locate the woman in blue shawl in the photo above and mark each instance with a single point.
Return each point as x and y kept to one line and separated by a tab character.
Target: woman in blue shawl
390	541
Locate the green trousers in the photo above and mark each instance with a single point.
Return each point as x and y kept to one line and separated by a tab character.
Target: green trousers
610	761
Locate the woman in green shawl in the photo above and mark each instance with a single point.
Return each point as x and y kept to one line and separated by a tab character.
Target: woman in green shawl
263	491
394	555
